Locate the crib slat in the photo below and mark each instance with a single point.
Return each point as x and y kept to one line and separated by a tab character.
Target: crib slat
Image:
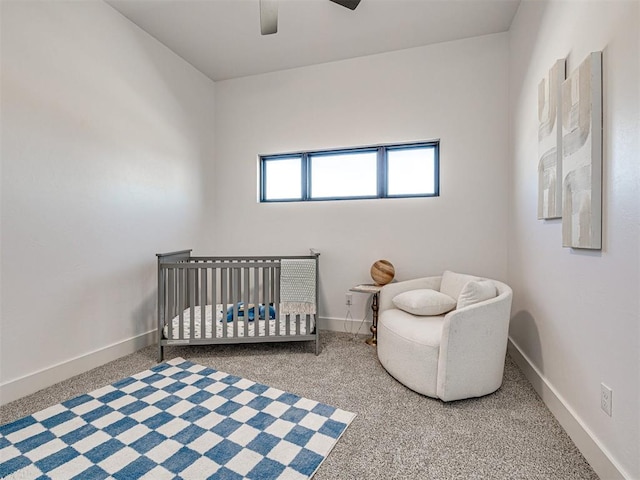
182	280
171	299
203	302
193	293
171	295
256	301
235	297
224	299
298	324
276	330
214	303
269	299
196	287
275	274
246	295
265	289
308	324
272	277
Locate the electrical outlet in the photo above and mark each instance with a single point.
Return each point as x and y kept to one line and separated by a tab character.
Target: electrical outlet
606	397
348	299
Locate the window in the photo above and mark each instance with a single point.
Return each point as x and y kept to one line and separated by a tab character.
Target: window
343	174
384	171
284	175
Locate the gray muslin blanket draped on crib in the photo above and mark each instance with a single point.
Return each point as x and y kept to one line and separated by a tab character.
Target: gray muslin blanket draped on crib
298	286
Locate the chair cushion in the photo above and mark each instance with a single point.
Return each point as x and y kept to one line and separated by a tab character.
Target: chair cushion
476	291
408	348
424	301
453	283
425	330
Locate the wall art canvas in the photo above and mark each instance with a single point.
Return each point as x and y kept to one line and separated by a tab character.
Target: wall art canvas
582	155
550	143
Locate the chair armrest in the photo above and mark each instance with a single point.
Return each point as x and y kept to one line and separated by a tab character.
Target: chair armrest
473	348
390	290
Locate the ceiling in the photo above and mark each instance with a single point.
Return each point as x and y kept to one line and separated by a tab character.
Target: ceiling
221	38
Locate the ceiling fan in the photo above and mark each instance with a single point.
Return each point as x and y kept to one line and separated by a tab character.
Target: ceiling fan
269	13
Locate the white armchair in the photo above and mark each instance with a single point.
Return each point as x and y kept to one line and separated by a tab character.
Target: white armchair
451	356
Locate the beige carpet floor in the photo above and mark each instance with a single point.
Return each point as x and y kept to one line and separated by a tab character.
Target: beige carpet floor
398	434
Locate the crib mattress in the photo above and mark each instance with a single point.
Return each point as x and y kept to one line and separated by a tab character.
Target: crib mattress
220	324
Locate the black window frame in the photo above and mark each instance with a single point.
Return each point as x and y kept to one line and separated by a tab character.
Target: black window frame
381	171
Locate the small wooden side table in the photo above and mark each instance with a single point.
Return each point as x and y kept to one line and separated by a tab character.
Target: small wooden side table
375	291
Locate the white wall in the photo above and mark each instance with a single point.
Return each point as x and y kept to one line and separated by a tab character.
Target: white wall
105	133
576	313
452	91
107	158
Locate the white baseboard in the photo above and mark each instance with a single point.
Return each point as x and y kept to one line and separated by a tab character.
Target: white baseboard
31	383
341	325
591	448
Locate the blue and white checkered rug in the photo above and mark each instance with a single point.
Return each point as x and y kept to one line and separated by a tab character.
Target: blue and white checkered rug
178	420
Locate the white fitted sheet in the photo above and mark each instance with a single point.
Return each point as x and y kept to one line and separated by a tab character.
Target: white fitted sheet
221	313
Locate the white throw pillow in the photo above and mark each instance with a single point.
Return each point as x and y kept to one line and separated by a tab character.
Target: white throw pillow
476	291
453	283
424	302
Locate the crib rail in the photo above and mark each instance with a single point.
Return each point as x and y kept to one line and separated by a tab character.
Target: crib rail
237	292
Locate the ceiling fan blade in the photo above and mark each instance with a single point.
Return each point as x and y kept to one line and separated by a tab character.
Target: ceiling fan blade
269	17
350	4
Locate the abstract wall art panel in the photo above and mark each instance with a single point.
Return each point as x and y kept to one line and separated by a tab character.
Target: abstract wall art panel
550	143
582	155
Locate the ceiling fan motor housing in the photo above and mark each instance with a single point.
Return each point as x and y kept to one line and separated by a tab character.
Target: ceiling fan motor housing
269	14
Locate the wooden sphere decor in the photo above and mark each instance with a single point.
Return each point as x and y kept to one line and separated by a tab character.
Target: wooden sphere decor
382	272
